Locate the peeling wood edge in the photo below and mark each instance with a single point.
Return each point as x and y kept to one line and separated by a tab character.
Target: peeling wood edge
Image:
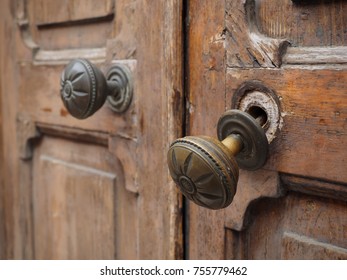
314	186
77	134
73	22
289	182
315	55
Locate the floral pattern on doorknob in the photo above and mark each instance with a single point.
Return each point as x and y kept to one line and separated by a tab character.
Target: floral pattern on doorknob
197	174
82	88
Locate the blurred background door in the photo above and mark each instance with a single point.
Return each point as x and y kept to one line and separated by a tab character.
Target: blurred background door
95	188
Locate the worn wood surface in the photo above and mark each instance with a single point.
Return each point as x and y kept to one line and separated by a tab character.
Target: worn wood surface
314	109
10	154
298	227
206	87
2	186
50	12
159	119
57	26
294	207
81	208
293	227
245	45
316	55
109	172
321	23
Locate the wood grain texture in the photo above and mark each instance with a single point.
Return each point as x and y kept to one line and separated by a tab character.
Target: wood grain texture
48	12
317	24
246	47
299	247
317	221
81	209
313	186
314	111
251	187
315	55
206	87
11	201
2	164
52	25
160	115
309	150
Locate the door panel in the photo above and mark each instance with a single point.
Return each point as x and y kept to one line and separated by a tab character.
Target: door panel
293	208
61	25
81	199
294	227
298	227
49	12
80	189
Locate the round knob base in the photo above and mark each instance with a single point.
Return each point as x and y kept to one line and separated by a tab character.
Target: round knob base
119	100
255	145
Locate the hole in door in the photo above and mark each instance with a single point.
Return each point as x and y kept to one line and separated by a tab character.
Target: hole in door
259	114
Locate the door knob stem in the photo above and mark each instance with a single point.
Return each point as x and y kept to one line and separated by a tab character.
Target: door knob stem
233	143
114	88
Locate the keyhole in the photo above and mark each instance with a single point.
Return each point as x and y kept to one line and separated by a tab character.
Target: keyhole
259	114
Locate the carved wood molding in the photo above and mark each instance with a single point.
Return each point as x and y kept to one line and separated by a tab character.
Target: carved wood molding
27	133
246	47
315	55
41	56
254	186
295	246
119	146
314	186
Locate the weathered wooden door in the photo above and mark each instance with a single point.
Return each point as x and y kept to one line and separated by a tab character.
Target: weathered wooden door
295	206
95	188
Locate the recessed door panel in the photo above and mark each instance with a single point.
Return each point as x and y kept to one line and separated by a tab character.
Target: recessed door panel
80	203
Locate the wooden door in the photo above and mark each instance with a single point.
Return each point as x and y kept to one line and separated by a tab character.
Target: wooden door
95	188
295	206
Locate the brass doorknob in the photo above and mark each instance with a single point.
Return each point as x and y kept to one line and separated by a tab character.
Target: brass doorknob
84	88
206	170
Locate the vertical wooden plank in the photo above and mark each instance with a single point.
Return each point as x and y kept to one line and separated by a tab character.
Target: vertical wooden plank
158	111
159	54
11	203
172	119
235	245
2	163
206	55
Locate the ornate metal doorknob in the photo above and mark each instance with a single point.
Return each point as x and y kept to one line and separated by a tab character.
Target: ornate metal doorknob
206	170
84	88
